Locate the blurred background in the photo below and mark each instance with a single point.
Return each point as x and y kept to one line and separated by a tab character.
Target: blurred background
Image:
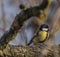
8	10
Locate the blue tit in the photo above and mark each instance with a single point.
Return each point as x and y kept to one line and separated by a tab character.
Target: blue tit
42	34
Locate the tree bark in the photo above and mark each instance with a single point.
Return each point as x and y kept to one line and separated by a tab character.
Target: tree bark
35	51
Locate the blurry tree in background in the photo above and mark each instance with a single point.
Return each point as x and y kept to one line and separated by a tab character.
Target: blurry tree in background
3	17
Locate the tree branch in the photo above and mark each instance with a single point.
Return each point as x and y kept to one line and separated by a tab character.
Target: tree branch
20	51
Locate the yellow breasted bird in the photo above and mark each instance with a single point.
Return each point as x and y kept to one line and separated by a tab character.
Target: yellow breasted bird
42	34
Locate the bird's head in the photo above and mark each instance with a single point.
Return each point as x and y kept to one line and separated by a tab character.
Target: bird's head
44	27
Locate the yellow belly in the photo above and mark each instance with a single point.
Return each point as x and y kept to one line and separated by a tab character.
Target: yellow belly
41	37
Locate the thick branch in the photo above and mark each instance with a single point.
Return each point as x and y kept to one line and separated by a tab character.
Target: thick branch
20	51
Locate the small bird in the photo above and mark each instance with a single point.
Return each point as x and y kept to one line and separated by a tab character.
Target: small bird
42	35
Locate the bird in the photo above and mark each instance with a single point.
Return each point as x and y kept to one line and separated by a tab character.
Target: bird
42	35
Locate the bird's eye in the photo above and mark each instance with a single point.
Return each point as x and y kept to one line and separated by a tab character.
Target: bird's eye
45	29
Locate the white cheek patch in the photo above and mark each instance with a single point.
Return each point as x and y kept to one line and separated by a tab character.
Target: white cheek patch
45	29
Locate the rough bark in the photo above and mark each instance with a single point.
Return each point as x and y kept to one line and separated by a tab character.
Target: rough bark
35	51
